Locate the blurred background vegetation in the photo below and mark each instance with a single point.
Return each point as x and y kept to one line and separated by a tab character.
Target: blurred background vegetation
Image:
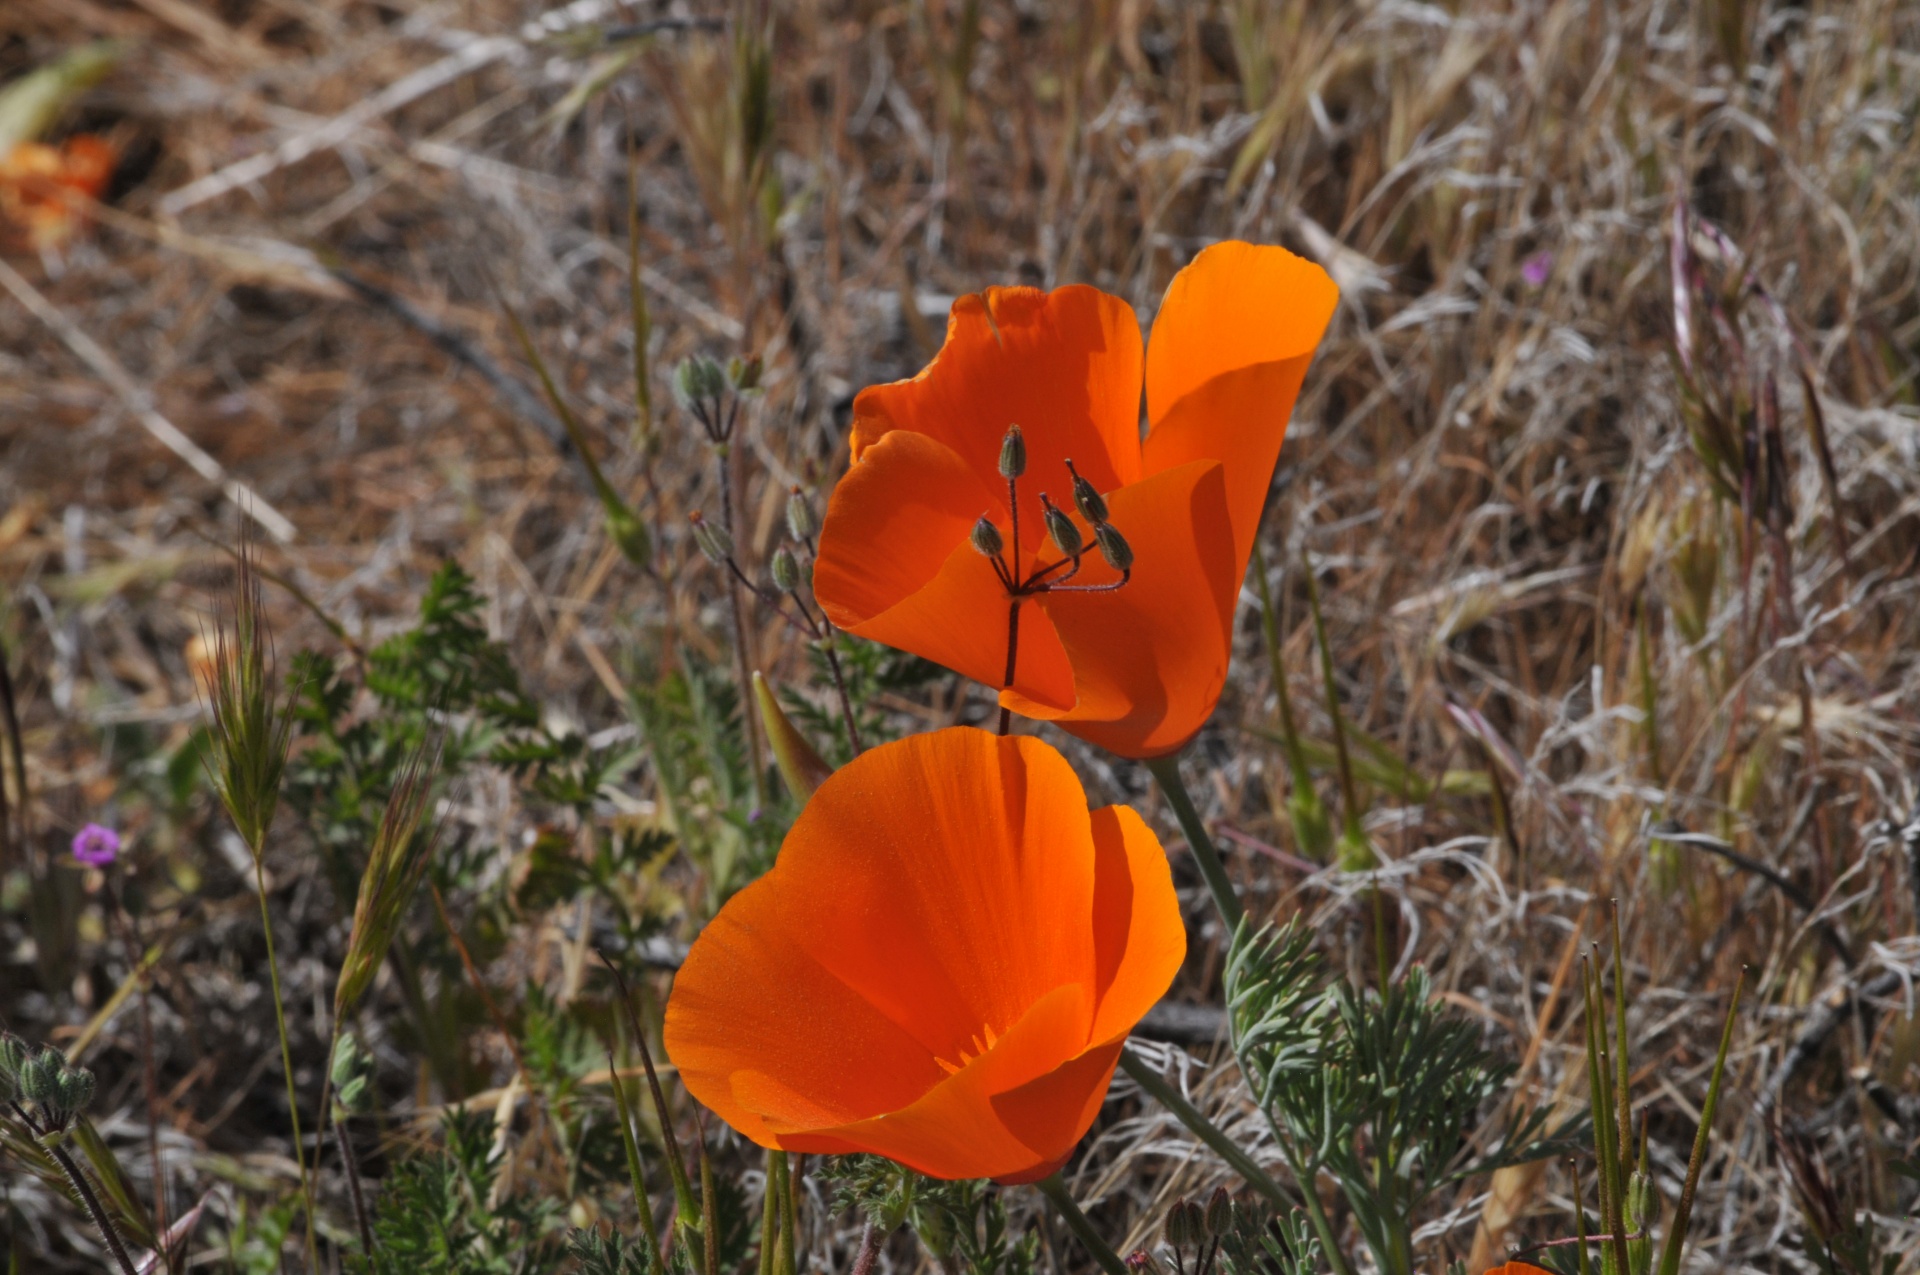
1608	477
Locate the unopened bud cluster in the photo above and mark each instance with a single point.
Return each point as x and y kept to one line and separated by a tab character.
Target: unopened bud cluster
702	387
44	1080
1093	507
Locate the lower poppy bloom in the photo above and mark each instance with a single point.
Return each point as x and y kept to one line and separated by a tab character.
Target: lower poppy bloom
941	968
1089	572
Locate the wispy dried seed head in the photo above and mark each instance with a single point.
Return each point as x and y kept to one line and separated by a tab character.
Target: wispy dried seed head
985	538
1013	453
1060	527
250	730
712	539
400	853
1113	546
1087	499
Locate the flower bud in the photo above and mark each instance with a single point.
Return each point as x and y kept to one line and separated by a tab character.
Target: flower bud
40	1077
1013	453
800	521
696	379
743	375
786	572
13	1055
1219	1215
1113	546
1061	529
1182	1228
74	1094
1141	1262
986	538
712	539
1087	499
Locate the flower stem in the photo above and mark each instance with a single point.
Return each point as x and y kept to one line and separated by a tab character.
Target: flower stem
1167	771
742	658
1013	655
871	1241
1055	1189
92	1202
286	1062
1166	1095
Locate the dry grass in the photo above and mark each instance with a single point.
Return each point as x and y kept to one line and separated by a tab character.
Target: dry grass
1526	567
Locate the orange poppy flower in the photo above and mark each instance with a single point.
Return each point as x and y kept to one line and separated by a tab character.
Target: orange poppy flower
36	180
1519	1268
1136	668
941	968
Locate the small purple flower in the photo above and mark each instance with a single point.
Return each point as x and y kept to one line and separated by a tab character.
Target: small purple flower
1536	268
96	846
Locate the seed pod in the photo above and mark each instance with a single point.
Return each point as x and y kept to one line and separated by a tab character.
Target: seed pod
786	572
1013	453
800	515
1060	527
1087	499
986	538
1113	546
1219	1215
712	539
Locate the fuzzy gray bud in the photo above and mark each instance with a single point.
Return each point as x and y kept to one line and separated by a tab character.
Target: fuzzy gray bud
1113	546
712	539
40	1077
1087	498
75	1092
986	538
1013	453
800	521
1061	529
697	379
786	572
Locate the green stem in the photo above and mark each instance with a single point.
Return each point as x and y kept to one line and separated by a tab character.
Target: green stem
286	1062
635	1174
1167	771
1189	1115
101	1221
1056	1192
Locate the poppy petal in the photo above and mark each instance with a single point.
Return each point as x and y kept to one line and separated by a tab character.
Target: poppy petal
954	1131
945	914
1138	935
1150	658
896	567
734	1010
1063	365
1229	350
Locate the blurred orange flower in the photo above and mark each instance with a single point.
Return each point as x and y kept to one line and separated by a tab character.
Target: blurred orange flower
37	182
941	968
1519	1268
1136	669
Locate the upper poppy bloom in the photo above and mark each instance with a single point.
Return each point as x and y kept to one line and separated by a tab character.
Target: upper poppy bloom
941	967
37	182
1136	669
